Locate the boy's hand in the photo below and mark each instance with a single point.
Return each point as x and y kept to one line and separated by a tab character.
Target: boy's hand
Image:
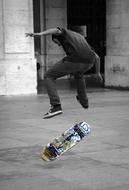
99	78
29	34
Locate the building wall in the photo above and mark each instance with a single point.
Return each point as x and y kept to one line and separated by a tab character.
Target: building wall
18	73
117	59
17	62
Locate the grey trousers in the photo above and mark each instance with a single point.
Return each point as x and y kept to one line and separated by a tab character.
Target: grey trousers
63	68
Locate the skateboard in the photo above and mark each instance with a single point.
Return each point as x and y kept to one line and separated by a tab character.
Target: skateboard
65	141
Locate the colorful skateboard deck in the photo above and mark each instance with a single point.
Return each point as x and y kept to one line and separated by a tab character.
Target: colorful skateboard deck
67	140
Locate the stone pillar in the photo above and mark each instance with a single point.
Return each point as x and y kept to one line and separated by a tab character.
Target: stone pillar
117	59
17	62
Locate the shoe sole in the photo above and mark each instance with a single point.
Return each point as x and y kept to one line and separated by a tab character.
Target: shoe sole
52	114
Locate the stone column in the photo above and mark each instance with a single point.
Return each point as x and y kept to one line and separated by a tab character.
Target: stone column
117	59
17	62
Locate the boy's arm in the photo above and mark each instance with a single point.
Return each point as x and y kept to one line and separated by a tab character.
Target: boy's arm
97	64
97	68
45	32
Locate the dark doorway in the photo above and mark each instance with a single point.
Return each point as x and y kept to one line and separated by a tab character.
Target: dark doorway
91	13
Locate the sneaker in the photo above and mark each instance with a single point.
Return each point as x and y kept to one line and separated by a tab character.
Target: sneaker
53	112
84	103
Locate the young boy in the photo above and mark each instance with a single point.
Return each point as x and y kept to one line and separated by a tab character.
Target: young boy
80	57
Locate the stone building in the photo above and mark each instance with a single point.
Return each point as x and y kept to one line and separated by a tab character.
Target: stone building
107	29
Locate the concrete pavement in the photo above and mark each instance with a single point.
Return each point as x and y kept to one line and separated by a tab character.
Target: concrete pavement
99	162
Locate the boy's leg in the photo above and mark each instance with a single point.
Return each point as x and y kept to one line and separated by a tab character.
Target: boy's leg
81	85
81	90
50	82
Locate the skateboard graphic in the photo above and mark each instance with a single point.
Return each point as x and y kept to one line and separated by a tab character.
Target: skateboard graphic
67	140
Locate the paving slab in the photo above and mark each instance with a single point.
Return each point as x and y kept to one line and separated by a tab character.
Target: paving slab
99	162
